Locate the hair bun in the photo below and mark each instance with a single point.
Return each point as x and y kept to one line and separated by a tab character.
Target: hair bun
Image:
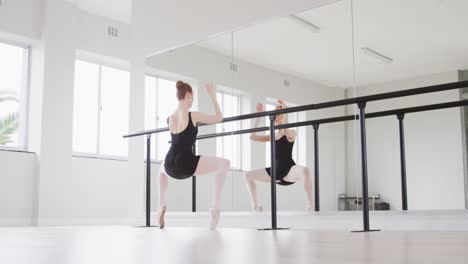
180	84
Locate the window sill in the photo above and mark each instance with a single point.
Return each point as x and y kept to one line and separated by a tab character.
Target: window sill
13	149
159	162
103	157
100	157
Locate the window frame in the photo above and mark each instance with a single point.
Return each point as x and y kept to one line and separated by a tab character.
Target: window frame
267	124
100	63
24	100
157	74
226	91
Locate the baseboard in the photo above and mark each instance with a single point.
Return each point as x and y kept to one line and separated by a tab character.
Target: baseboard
451	220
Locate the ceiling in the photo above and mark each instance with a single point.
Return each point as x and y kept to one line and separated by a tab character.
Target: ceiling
421	36
120	10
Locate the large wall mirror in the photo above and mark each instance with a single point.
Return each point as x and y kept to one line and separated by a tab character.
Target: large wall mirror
341	50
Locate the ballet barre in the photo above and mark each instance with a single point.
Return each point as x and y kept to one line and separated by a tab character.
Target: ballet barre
361	102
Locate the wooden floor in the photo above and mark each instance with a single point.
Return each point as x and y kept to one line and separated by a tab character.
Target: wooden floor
118	244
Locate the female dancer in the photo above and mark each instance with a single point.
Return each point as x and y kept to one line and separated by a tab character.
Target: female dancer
180	162
287	172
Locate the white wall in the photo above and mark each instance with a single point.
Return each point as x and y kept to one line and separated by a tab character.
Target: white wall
55	39
17	187
22	17
101	192
206	65
434	154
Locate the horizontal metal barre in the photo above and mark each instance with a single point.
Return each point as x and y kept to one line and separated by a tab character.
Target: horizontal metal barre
343	102
343	118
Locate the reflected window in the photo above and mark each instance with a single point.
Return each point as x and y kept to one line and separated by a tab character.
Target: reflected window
166	105
229	147
268	107
151	111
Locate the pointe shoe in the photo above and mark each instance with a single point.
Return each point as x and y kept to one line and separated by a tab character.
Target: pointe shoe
257	209
308	208
215	213
161	213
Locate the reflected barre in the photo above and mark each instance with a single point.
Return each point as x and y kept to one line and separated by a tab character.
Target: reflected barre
343	102
360	101
341	119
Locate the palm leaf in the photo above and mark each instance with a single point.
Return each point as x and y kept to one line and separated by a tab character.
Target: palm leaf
8	126
4	98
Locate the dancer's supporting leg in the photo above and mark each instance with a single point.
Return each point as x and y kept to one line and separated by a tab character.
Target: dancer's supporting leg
250	178
298	173
219	167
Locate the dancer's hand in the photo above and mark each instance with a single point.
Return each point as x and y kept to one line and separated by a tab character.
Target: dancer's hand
259	107
211	89
281	102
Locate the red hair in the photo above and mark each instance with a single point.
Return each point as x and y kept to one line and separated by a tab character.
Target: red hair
183	89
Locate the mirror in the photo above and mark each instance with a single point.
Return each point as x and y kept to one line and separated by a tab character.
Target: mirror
401	45
340	50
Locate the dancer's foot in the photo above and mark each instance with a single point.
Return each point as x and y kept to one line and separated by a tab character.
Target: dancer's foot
257	209
215	213
161	213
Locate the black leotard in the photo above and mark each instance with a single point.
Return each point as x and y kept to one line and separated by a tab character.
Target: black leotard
180	162
284	160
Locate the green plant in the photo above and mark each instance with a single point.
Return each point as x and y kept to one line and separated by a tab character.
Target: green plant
8	126
4	98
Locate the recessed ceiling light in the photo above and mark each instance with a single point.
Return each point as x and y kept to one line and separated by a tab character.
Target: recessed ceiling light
306	23
377	55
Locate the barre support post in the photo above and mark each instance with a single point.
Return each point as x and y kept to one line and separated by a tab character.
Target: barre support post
148	180
316	169
194	184
404	192
273	172
365	194
274	224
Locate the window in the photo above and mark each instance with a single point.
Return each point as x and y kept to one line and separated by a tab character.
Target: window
151	110
299	149
86	107
300	146
100	109
13	95
160	103
229	147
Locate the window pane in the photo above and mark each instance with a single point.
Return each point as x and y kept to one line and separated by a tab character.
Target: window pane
12	67
115	86
229	147
302	140
219	128
150	110
292	118
167	103
235	140
85	107
268	107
